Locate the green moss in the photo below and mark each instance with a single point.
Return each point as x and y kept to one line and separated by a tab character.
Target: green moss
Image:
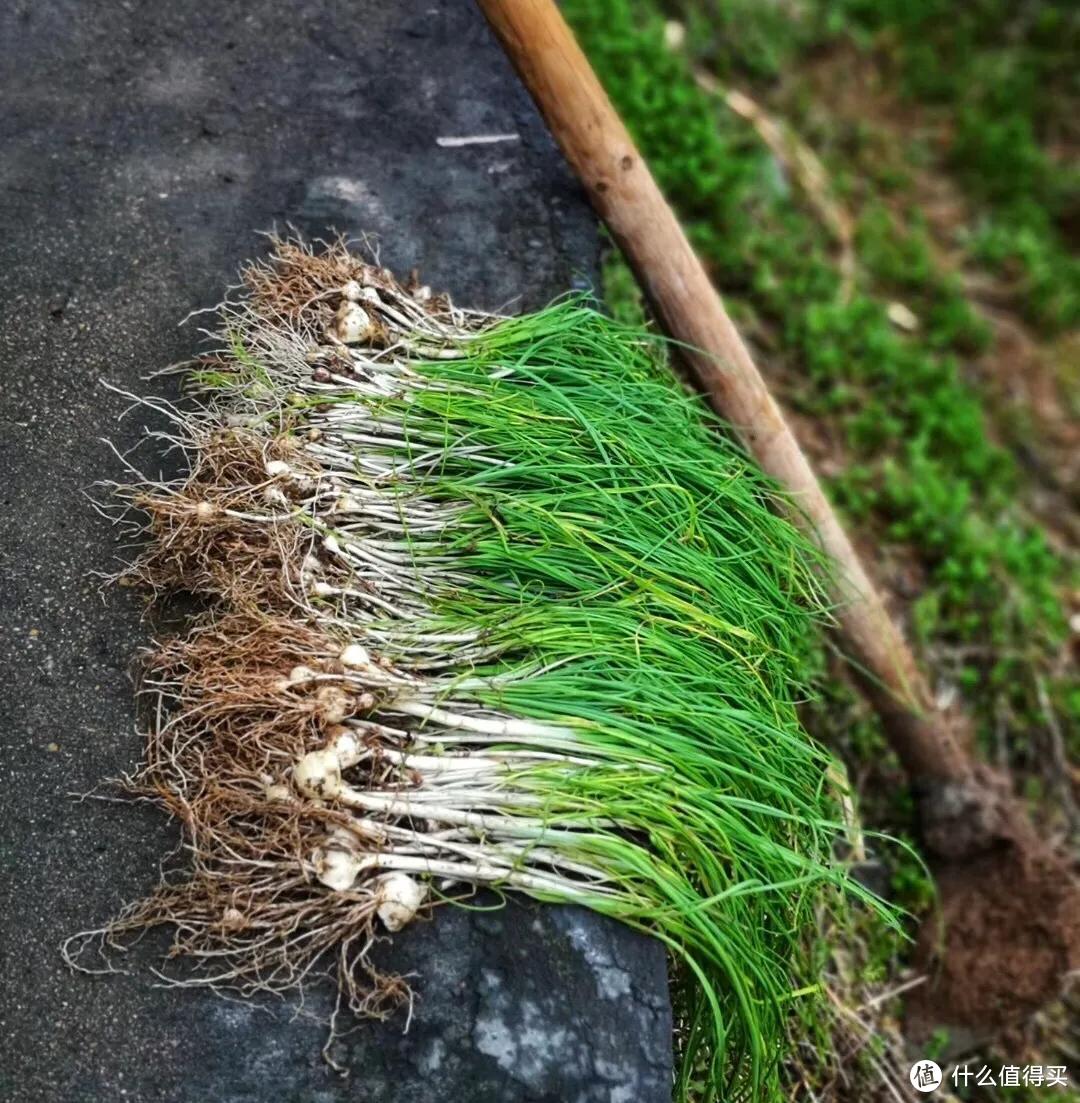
1005	82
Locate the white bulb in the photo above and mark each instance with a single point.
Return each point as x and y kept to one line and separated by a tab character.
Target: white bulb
276	469
346	747
331	544
352	323
355	655
400	897
352	291
341	838
324	589
332	704
301	674
318	775
336	868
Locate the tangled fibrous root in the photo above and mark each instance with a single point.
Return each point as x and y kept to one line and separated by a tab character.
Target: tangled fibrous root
252	902
310	775
280	883
203	540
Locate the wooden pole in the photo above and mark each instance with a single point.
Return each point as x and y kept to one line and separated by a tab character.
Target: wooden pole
625	195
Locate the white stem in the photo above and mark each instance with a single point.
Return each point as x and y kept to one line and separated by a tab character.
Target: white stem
506	728
486	873
520	826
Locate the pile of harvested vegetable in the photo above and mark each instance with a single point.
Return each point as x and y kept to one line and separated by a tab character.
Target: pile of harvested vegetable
488	603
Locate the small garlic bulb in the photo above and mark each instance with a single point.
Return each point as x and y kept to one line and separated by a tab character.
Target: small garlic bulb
278	469
355	655
352	323
400	897
318	775
298	676
336	867
332	704
345	745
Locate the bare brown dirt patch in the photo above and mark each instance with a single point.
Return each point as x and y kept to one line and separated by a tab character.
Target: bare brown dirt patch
1009	935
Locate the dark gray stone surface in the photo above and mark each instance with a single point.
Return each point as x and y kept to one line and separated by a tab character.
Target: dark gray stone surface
142	146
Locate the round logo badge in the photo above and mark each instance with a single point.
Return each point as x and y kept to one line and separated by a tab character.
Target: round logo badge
925	1076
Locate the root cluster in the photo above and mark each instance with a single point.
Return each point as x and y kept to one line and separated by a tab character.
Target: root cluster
308	774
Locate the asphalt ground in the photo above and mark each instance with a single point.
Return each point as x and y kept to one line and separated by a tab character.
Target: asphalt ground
143	147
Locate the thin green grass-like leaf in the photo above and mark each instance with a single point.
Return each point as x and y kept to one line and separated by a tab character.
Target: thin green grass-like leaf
633	554
587	621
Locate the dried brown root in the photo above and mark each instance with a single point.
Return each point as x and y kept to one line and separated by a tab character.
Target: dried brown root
200	541
247	908
299	284
230	717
